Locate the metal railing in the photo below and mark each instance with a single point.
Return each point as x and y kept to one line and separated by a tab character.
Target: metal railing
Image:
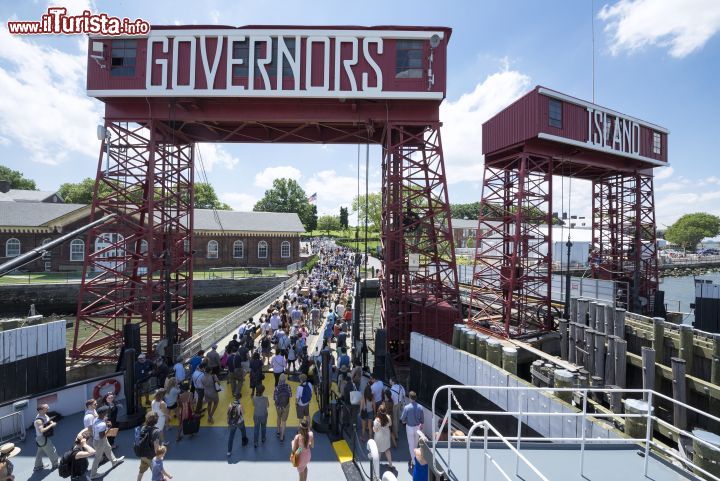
12	426
222	327
689	260
586	419
294	267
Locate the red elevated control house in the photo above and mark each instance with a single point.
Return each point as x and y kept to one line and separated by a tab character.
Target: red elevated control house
544	134
179	85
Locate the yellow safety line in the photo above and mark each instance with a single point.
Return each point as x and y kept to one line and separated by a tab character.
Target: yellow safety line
342	450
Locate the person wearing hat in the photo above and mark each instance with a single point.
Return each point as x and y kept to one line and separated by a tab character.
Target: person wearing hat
7	451
100	442
43	431
236	420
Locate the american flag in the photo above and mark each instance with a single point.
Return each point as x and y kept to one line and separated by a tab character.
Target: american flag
312	198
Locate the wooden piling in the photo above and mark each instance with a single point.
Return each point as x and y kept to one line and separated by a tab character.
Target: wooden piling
600	317
599	370
610	361
494	352
609	320
563	324
620	362
509	359
704	456
583	305
659	339
715	375
636	428
580	344
686	346
648	370
679	392
572	313
615	400
572	354
481	346
596	382
592	314
563	379
590	350
619	323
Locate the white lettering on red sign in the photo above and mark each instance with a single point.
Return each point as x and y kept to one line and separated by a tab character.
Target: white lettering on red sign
275	48
611	131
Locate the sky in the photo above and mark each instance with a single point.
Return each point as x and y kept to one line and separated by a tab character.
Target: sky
658	60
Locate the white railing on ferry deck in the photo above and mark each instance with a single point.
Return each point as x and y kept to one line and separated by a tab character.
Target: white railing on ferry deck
222	327
11	426
647	441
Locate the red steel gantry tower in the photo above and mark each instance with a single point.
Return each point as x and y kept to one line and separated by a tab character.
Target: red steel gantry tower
545	134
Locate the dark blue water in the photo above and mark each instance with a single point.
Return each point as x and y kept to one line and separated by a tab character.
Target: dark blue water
680	292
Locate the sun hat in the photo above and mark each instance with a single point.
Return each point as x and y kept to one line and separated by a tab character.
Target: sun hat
9	450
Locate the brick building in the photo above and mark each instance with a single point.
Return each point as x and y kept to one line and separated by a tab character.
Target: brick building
232	239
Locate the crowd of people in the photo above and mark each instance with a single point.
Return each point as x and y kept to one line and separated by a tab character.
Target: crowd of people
278	343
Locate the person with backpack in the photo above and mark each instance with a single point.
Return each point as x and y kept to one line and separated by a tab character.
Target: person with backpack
147	441
256	374
236	420
235	374
101	445
74	464
282	396
303	396
197	377
44	427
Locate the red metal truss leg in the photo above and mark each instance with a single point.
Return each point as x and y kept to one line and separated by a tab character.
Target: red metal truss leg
419	280
138	267
624	239
510	293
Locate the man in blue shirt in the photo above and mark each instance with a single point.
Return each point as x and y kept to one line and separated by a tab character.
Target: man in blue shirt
413	417
195	361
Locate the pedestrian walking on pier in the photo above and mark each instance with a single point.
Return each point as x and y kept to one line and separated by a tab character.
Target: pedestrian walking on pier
282	396
302	446
44	427
236	420
260	414
413	417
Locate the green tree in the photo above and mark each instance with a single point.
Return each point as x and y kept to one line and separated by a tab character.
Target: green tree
328	223
690	229
344	218
465	211
16	179
79	193
313	222
286	195
374	211
206	197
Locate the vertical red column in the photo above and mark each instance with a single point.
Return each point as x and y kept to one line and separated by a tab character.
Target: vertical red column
510	293
144	177
419	287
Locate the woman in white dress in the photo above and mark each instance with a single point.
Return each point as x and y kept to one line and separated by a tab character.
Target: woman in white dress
381	428
159	406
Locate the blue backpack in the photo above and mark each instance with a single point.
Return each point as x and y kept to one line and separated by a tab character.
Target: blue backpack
306	393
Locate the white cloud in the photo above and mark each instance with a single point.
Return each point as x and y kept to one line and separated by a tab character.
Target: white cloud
335	190
463	119
671	206
664	173
74	7
216	155
681	26
48	112
238	200
215	16
265	177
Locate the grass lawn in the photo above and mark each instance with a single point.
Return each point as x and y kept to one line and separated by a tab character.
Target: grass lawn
69	277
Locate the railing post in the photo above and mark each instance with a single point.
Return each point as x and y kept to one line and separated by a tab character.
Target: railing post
648	433
449	424
485	453
519	432
582	443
